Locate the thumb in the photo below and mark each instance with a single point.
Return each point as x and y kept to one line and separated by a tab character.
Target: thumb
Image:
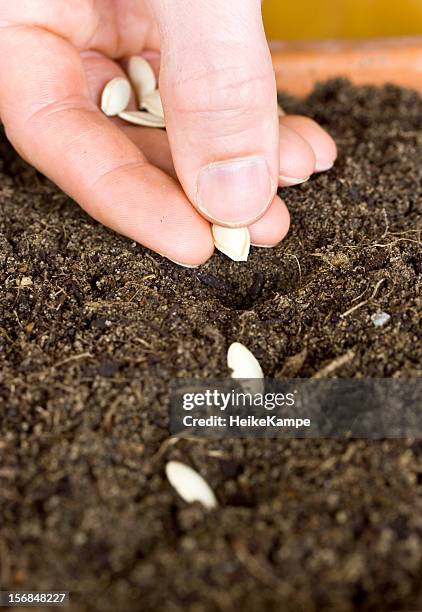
220	101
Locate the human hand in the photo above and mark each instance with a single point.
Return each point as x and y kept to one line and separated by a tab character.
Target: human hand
218	89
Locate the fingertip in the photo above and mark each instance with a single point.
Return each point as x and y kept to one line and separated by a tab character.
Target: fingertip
323	145
297	158
194	246
142	202
272	227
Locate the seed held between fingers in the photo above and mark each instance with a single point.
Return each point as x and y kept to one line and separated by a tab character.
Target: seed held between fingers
142	118
235	242
153	104
116	96
142	77
190	485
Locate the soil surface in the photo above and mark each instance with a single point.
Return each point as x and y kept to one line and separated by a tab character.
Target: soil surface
93	329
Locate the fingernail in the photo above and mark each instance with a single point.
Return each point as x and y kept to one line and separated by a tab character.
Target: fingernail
235	192
289	181
183	265
323	166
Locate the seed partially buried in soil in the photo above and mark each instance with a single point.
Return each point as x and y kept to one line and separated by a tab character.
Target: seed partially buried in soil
115	97
235	242
242	362
190	485
245	366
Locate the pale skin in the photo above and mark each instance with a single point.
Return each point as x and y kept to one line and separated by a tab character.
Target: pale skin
159	188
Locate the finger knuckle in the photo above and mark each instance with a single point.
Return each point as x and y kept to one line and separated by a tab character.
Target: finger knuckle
230	90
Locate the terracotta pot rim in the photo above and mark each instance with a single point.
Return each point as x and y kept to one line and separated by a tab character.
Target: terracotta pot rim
299	64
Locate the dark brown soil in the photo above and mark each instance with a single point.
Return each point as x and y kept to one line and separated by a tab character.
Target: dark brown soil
94	327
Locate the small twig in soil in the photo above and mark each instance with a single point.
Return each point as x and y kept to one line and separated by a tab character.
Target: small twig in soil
72	358
393	242
218	454
409	231
256	566
370	245
337	363
371	297
171	441
145	343
387	224
359	297
298	265
109	415
17	319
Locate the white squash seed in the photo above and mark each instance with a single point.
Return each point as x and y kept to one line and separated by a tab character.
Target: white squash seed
242	362
153	104
142	77
142	118
115	97
190	485
235	242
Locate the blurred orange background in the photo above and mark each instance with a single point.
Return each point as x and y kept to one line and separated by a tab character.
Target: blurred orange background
301	19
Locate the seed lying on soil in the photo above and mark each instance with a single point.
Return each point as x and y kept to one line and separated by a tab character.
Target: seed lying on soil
242	362
152	103
142	76
115	97
234	242
142	118
190	485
